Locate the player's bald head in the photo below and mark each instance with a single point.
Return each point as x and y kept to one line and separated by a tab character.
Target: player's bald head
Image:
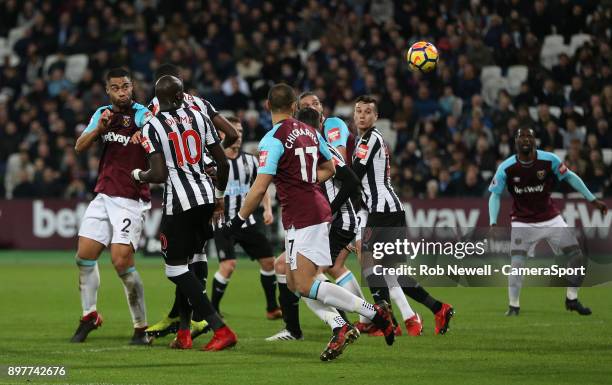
282	98
169	91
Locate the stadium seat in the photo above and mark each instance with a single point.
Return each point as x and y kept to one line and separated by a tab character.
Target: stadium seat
48	62
577	41
490	72
486	175
566	92
561	153
390	136
3	43
15	34
551	49
533	113
607	156
491	88
555	111
75	67
516	76
579	110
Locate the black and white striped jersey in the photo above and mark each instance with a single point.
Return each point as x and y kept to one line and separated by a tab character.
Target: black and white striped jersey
344	219
377	193
196	103
181	136
242	173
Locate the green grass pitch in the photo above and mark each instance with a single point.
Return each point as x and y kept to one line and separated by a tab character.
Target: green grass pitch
40	307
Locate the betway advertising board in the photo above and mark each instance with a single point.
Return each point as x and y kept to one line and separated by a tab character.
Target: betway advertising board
54	224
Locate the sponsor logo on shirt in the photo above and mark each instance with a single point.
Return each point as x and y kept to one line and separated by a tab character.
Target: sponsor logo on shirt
362	151
146	144
263	158
114	137
562	168
529	189
333	134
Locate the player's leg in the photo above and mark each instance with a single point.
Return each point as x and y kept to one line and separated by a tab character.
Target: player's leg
199	266
183	239
520	246
94	235
289	303
127	217
257	247
227	265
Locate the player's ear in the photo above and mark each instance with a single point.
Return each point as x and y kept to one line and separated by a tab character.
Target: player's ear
293	108
267	105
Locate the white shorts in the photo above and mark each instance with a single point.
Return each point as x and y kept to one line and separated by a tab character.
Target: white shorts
362	219
312	242
114	220
525	236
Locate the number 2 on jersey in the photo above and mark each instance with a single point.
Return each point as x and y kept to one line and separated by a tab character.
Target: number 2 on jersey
312	150
191	159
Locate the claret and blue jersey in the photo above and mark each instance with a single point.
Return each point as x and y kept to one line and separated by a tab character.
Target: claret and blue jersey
291	151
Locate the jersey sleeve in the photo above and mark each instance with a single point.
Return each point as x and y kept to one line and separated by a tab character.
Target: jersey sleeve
336	131
95	118
270	152
367	150
208	132
498	183
558	167
323	148
142	115
150	139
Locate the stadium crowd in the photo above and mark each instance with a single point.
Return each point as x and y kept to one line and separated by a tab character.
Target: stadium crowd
449	132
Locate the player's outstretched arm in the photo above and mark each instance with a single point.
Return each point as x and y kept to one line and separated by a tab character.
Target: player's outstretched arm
223	125
325	170
578	184
97	127
350	184
158	173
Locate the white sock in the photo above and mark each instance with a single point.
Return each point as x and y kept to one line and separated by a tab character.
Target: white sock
399	299
327	314
515	282
134	292
349	282
572	293
89	282
219	277
340	298
281	278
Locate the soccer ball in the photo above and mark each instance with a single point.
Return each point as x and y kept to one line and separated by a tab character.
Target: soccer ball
422	57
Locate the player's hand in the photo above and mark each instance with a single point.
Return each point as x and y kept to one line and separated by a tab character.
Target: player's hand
104	122
136	137
601	206
218	216
233	226
268	217
212	173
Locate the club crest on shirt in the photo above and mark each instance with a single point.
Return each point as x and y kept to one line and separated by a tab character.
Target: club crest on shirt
541	174
362	151
263	158
126	120
333	134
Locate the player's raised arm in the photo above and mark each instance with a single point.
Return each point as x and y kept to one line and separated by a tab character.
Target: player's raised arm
96	127
224	125
158	170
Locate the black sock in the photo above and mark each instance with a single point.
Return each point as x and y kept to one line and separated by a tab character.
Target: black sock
218	289
415	291
191	288
378	288
200	269
174	312
184	310
289	303
268	282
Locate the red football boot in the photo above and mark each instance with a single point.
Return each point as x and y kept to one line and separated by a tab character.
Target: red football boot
222	339
89	322
182	340
443	318
414	325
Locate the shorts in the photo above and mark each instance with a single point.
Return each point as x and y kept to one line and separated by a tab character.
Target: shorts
362	219
525	236
312	242
254	243
338	240
110	219
184	234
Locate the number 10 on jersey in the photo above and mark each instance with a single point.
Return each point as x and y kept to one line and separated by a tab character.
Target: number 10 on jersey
302	153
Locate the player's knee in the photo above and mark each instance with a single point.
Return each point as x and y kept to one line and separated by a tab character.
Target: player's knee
280	265
267	264
336	270
227	267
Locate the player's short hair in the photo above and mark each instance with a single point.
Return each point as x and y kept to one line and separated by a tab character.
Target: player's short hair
305	94
117	73
167	69
368	99
281	96
516	134
232	119
309	116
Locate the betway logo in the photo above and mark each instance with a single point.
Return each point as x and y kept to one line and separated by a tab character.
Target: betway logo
529	189
441	217
64	222
114	137
592	222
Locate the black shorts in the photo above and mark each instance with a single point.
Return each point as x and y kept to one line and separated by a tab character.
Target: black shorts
185	234
397	219
338	240
254	243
